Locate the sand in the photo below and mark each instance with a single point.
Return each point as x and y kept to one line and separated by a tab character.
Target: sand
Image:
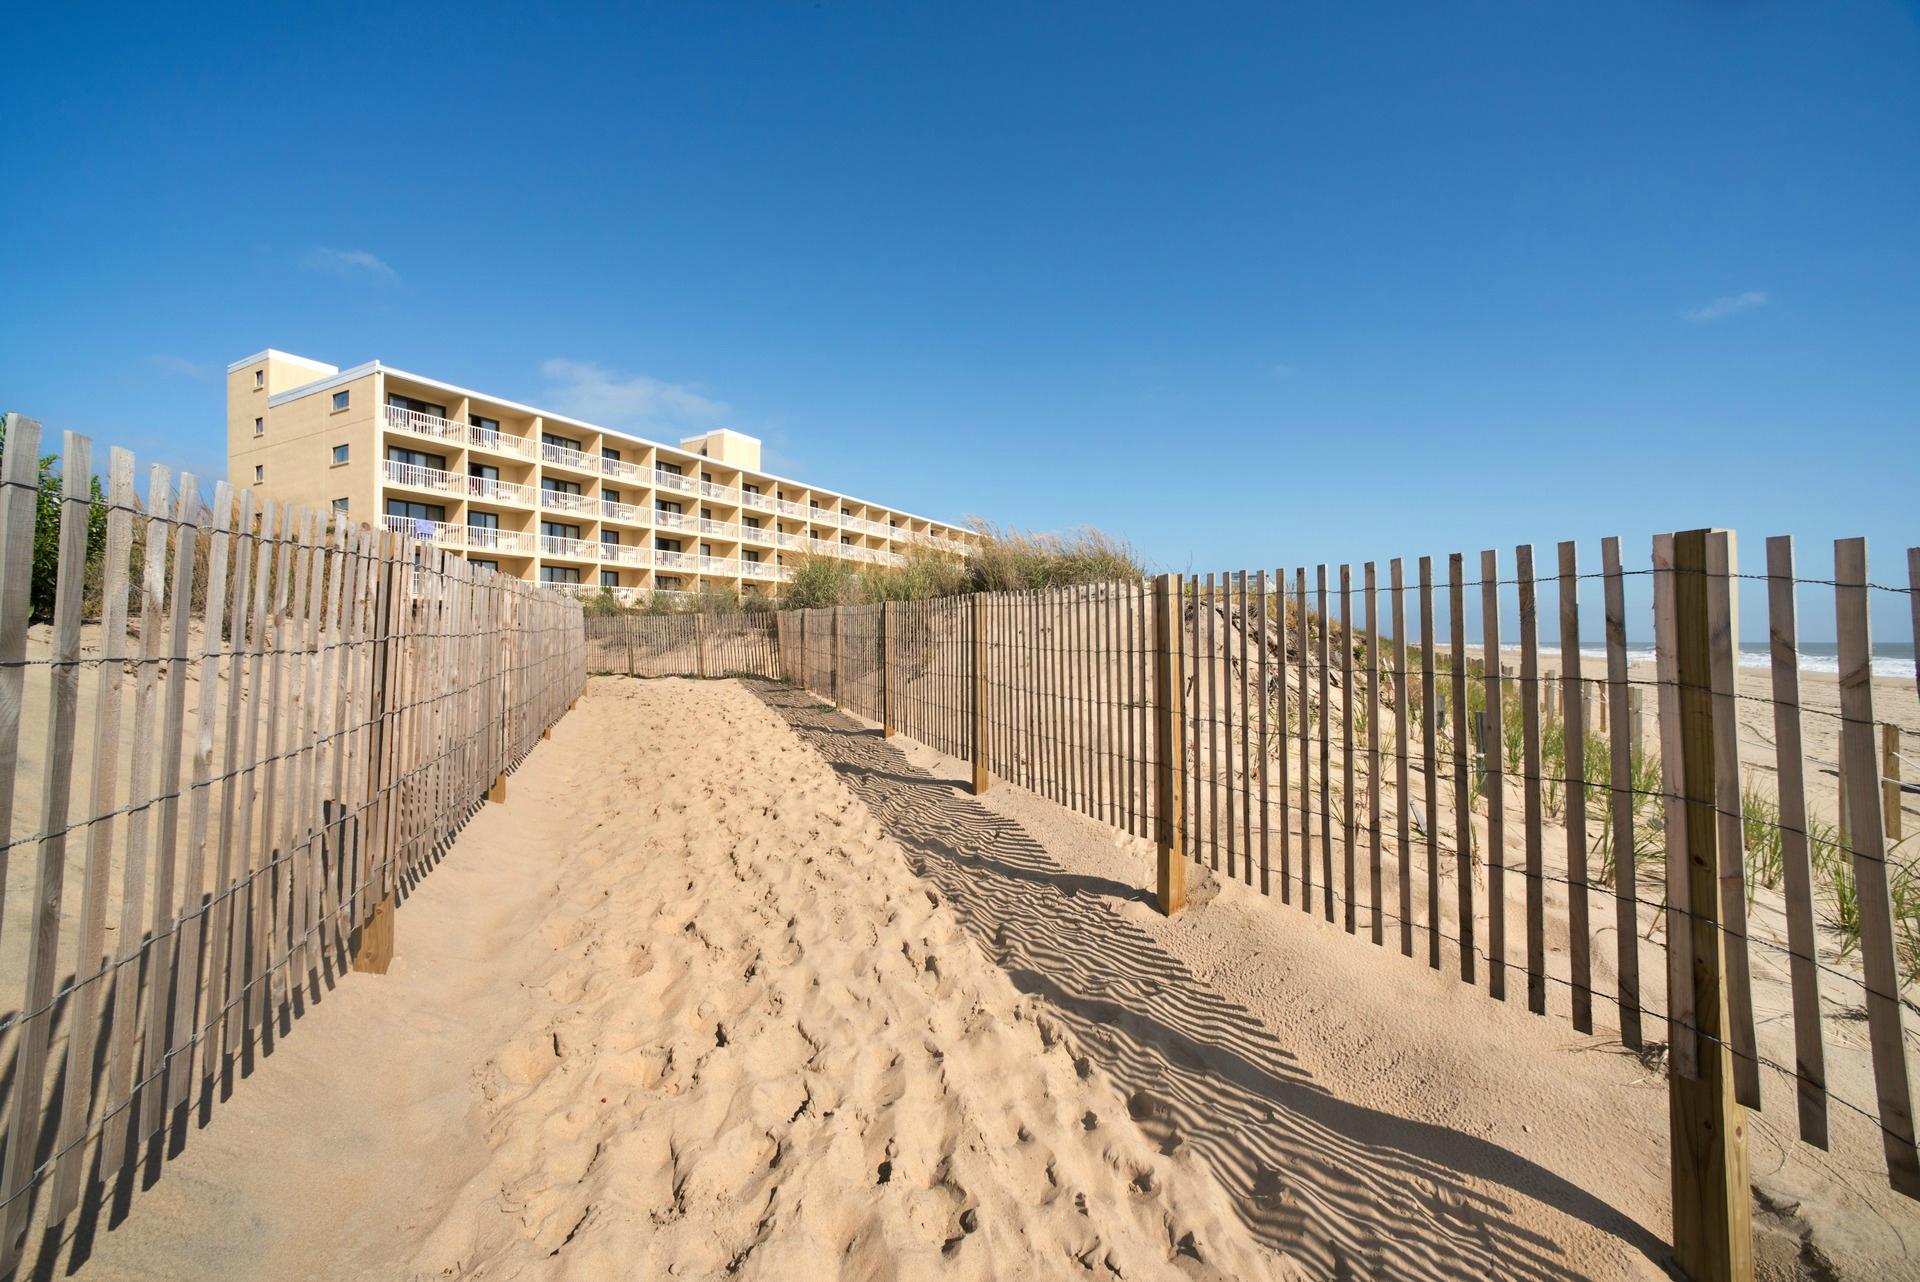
732	988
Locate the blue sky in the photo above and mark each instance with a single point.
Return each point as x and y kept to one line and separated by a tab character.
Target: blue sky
1273	284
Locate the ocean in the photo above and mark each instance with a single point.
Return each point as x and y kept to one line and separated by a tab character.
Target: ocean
1890	659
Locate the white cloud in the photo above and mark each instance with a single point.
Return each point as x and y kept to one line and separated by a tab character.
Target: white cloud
347	262
1728	305
584	390
167	363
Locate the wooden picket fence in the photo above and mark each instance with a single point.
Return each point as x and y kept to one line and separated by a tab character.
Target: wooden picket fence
1344	748
682	645
247	732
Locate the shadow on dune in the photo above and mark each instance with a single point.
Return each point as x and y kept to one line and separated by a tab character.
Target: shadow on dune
1346	1190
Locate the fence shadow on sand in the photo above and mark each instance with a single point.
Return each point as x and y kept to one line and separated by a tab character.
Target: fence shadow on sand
1346	1190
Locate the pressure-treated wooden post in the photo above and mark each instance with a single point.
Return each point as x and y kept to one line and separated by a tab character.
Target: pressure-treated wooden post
626	623
978	615
1168	752
498	792
886	669
700	644
1712	1202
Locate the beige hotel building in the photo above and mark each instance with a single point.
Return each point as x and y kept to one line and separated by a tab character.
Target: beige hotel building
539	495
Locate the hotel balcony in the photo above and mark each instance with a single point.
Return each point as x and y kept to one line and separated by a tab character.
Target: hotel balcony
567	456
726	529
626	554
676	561
416	477
496	442
631	513
564	501
714	490
758	502
674	481
622	470
417	424
572	549
674	521
719	565
488	539
492	491
444	533
756	534
787	507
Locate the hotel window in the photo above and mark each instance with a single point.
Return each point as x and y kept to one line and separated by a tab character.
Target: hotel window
409	510
751	522
483	423
609	454
558	486
749	489
609	578
666	545
483	520
564	442
397	401
259	473
416	458
340	506
259	378
559	574
340	400
750	556
339	455
671	469
666	505
611	496
706	549
610	538
479	564
669	583
846	540
555	530
259	427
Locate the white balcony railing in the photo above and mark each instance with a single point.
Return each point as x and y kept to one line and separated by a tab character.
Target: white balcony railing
626	554
797	541
755	533
497	491
719	565
758	502
676	560
758	569
567	456
423	478
445	533
574	549
419	424
628	512
726	529
565	501
487	438
673	520
787	507
622	469
674	481
715	490
490	539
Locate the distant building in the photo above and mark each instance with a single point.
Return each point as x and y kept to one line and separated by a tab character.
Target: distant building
539	495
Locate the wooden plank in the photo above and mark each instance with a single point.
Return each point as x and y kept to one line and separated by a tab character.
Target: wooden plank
91	969
140	794
1723	630
1246	772
193	923
1348	828
1224	611
1324	658
1402	711
1530	780
28	1071
1429	763
1266	697
1885	1016
1169	756
19	492
1783	630
1573	737
1712	1199
1462	781
1210	657
979	740
1621	746
1302	624
1683	1043
1370	590
1496	781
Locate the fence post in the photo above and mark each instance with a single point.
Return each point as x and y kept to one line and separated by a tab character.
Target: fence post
1712	1202
1169	752
803	647
886	669
626	622
979	630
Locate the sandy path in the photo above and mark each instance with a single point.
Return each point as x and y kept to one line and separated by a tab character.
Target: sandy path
681	1009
